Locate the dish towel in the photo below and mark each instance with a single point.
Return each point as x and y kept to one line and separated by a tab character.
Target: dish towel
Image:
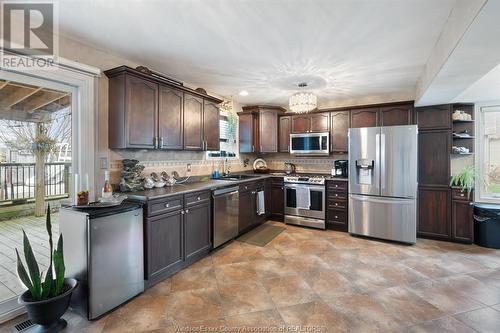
261	208
303	197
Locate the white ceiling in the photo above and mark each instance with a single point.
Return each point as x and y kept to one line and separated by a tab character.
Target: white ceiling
347	50
475	55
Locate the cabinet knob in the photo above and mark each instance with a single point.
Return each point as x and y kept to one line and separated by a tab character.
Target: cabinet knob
462	195
198	198
167	205
336	195
336	204
187	211
182	212
336	217
336	186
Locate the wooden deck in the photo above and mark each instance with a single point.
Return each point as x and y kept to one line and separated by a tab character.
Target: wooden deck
11	237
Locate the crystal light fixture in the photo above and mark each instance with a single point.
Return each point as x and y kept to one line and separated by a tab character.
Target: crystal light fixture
303	102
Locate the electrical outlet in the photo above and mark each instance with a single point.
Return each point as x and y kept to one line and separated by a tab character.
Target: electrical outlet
104	162
188	167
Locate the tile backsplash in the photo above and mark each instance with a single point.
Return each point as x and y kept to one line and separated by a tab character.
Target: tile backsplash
157	161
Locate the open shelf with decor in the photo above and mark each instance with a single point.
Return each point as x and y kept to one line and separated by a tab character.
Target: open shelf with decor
462	116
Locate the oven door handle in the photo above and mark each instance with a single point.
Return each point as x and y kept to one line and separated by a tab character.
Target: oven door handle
311	187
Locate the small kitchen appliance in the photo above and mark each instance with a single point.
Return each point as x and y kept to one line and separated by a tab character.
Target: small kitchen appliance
311	144
289	168
340	168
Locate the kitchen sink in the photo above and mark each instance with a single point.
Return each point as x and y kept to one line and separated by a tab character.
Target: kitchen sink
237	177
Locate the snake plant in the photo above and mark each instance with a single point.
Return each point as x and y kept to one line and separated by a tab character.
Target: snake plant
41	287
465	179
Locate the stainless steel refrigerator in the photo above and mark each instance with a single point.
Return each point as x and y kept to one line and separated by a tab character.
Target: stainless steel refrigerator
383	182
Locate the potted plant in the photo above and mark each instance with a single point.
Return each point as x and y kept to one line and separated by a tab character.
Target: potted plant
465	179
47	299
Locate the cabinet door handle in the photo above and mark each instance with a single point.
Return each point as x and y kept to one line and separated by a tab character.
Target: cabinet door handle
167	205
253	148
161	142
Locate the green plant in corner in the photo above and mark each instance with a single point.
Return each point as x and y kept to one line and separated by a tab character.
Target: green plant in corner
465	179
32	278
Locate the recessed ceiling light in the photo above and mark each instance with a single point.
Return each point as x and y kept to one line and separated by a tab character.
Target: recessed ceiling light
243	93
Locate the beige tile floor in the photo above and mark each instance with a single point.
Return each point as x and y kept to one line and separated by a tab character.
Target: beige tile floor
320	281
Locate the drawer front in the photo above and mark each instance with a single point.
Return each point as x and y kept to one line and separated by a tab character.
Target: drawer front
457	194
337	204
245	187
340	195
336	186
196	198
165	205
278	181
337	216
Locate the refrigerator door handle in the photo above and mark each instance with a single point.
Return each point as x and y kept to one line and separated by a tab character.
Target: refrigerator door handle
377	160
382	161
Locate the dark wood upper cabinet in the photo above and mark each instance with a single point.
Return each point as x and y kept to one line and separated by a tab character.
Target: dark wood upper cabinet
396	115
434	213
259	129
368	117
311	123
248	140
170	118
133	112
301	123
285	127
193	122
433	117
211	129
142	107
320	122
268	125
434	158
155	113
339	128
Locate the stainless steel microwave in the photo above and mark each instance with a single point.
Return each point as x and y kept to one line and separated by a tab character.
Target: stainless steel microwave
310	144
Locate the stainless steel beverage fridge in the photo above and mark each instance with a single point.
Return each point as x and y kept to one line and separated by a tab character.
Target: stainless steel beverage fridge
383	182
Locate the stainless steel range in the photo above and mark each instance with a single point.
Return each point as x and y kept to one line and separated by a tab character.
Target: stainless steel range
305	200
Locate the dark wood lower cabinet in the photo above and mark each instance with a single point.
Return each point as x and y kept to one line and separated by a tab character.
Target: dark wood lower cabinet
434	213
277	198
246	210
336	205
177	233
197	229
462	220
165	244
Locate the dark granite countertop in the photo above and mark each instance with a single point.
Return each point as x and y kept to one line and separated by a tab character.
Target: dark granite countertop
204	184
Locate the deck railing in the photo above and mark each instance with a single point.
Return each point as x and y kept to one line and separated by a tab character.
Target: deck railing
17	181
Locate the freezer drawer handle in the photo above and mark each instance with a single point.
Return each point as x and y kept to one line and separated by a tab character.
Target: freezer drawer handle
401	201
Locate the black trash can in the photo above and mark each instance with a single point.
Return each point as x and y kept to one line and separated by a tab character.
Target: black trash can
487	225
